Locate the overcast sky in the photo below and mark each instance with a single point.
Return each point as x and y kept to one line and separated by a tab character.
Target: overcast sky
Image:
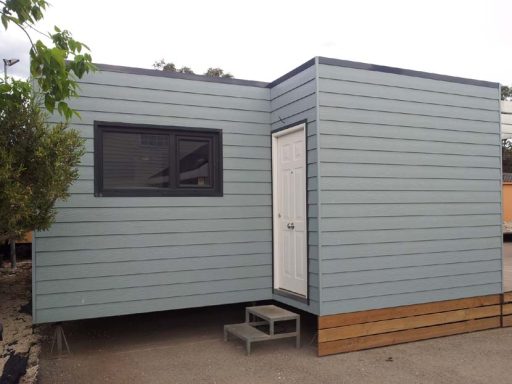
262	40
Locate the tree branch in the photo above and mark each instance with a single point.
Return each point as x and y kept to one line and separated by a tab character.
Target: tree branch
26	33
38	31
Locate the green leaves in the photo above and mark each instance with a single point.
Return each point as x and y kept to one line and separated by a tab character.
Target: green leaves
37	161
55	74
54	67
170	67
218	72
506	92
6	19
26	11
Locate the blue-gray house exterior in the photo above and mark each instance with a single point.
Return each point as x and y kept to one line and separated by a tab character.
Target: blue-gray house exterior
403	201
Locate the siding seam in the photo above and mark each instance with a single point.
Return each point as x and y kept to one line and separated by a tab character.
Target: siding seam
318	177
501	190
405	88
407	113
408	101
34	279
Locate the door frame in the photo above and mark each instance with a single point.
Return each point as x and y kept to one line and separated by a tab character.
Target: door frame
275	134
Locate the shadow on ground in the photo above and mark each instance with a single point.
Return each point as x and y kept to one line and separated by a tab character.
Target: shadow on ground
168	328
187	346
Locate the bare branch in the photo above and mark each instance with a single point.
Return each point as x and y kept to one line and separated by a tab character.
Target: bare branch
38	31
26	33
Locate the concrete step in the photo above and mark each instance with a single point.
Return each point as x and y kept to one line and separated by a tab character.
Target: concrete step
246	331
272	313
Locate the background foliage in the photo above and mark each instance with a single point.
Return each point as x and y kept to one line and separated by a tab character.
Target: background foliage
37	162
55	67
171	67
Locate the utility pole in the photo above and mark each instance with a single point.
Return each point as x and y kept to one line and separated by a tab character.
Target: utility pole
8	63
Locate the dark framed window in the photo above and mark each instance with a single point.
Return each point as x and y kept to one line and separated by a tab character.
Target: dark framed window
149	160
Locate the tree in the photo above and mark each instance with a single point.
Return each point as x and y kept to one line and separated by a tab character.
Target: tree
506	92
37	162
506	155
163	66
56	66
170	67
186	70
218	72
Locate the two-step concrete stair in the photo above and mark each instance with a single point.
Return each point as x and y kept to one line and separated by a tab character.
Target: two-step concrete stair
266	315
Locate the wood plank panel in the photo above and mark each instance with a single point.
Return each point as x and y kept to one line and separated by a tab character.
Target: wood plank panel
412	322
404	311
507	297
507	309
507	321
406	336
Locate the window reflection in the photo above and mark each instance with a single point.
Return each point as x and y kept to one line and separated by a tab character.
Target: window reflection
194	162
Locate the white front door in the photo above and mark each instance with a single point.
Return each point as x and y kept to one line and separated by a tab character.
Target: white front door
289	209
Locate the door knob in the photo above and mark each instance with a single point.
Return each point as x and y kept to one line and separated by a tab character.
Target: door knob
290	226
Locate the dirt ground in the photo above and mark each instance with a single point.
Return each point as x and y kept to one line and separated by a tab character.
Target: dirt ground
19	349
187	347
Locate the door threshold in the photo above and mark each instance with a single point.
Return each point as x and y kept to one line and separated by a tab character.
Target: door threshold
290	295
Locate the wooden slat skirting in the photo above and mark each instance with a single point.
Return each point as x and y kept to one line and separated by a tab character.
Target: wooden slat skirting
406	336
381	327
507	321
405	311
506	311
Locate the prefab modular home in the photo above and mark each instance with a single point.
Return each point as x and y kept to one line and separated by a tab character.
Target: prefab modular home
367	195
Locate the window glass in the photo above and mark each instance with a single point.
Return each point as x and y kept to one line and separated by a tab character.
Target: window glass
152	160
194	162
134	160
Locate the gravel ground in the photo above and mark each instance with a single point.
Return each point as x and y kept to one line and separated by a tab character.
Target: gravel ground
20	345
187	347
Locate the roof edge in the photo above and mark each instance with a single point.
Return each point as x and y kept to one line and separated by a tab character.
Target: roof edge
292	73
177	75
297	70
405	72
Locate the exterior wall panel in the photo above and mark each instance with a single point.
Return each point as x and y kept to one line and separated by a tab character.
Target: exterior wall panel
404	195
294	100
109	256
410	190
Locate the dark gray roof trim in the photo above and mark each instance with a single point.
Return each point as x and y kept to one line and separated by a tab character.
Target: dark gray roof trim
405	72
176	75
300	68
292	73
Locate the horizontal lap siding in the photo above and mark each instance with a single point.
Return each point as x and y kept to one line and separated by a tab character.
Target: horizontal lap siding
111	256
410	190
292	101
